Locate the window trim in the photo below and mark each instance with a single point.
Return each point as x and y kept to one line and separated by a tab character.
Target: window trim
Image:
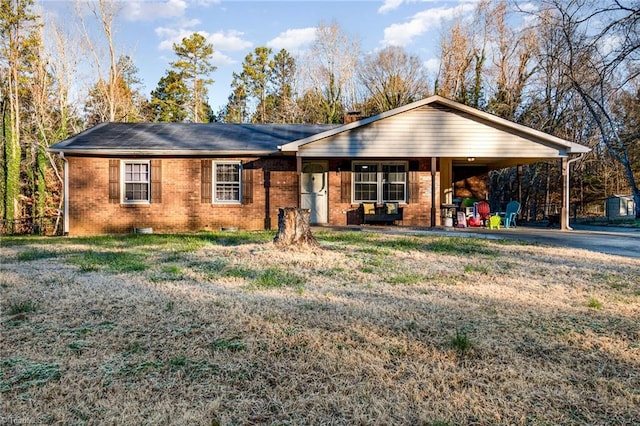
380	181
214	182
123	185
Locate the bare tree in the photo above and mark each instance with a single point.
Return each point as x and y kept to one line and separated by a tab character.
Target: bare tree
393	78
462	58
330	70
602	50
105	12
513	56
18	46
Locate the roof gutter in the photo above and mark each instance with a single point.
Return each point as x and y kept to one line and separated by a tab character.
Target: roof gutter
158	152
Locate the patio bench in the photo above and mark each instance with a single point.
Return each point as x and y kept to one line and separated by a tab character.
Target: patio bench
386	213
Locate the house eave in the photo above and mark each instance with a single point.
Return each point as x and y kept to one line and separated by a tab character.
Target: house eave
162	152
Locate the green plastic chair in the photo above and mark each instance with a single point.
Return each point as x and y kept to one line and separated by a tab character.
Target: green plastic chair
513	208
494	222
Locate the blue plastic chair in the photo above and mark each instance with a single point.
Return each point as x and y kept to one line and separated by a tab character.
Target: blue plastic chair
513	208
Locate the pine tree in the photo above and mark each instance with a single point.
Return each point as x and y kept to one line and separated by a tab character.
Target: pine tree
194	65
169	100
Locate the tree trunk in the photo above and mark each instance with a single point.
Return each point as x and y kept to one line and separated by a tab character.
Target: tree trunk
294	229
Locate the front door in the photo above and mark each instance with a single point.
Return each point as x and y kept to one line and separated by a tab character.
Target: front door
314	191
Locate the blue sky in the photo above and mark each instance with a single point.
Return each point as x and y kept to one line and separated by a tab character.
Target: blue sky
146	30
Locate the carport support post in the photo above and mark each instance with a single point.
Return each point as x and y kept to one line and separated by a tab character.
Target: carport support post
433	191
564	211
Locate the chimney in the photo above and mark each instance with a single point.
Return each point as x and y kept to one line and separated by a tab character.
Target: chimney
352	116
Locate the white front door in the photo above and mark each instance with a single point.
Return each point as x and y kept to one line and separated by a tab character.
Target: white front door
313	190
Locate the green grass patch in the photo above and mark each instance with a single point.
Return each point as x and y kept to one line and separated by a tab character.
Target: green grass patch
346	237
193	368
404	243
374	250
36	254
168	273
20	374
22	307
459	245
110	261
461	342
480	269
237	271
594	303
404	278
232	345
88	328
139	368
78	346
275	277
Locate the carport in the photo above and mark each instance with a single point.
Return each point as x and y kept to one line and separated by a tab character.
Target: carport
439	140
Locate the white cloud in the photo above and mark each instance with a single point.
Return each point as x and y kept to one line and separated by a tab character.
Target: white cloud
150	11
222	41
169	36
389	5
422	22
293	39
220	59
432	65
228	40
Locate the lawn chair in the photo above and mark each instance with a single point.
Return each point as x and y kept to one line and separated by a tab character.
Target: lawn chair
482	212
494	221
513	209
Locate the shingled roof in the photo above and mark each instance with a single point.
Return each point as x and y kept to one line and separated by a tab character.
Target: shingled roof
186	138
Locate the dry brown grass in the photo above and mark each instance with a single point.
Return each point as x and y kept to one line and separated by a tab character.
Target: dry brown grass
371	329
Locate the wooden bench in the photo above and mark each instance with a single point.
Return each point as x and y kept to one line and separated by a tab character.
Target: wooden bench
385	213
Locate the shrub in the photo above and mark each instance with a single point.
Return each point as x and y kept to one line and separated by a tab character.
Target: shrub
461	341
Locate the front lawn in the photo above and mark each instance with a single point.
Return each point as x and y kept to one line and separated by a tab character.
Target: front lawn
225	329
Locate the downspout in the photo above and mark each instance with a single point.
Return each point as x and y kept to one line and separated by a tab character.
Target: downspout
567	194
65	195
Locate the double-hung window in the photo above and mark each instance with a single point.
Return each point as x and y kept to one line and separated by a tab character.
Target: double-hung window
394	182
136	182
365	182
379	182
227	182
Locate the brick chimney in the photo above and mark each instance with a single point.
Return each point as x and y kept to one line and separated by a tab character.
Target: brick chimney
352	116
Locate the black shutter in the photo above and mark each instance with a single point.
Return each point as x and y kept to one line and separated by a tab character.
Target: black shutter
345	187
247	186
156	179
414	186
114	181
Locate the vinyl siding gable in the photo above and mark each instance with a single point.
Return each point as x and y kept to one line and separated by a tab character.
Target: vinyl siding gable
431	130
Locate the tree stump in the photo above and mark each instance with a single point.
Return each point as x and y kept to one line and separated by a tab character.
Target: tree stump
294	229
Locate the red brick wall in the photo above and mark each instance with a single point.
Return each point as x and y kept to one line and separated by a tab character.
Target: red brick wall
181	209
275	185
415	213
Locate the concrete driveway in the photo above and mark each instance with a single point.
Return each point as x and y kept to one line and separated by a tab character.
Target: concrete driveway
609	240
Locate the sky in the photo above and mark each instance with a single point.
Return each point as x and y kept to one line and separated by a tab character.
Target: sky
146	30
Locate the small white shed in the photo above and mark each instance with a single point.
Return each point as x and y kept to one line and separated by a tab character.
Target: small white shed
620	207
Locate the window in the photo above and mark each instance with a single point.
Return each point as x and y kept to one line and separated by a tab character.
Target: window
365	182
394	182
379	182
226	182
136	181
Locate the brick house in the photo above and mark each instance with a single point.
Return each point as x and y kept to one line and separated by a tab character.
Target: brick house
176	177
